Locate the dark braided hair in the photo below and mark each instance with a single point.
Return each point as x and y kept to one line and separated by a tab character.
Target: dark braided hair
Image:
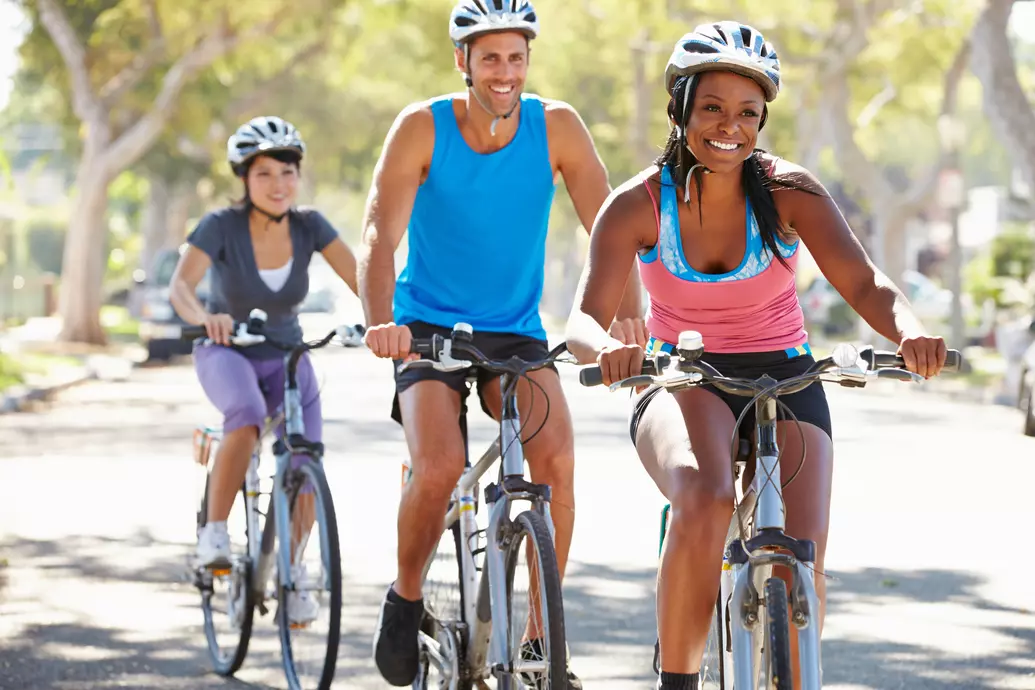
756	182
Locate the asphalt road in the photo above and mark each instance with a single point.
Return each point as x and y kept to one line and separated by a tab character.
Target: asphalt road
928	548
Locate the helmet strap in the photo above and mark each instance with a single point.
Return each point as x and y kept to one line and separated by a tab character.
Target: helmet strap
253	206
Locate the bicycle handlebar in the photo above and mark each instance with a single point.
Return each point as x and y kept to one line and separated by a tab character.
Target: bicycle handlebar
251	332
847	366
457	352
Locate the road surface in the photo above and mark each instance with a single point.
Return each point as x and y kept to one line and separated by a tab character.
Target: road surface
97	502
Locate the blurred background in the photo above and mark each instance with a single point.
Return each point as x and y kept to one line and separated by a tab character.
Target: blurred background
114	116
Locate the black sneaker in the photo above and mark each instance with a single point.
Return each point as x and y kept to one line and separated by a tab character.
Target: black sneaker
395	644
532	650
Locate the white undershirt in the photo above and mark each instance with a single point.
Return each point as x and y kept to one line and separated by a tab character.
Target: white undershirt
276	277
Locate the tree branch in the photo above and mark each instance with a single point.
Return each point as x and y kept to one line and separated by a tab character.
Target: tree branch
84	101
135	141
914	198
257	95
131	75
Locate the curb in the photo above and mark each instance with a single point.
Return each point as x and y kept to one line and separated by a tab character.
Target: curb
16	398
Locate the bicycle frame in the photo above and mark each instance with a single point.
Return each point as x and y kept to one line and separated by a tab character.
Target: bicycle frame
746	567
260	550
485	609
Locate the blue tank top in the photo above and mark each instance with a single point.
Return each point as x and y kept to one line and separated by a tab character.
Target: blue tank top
477	234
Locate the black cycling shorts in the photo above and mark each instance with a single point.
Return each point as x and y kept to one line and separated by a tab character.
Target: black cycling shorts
808	405
493	345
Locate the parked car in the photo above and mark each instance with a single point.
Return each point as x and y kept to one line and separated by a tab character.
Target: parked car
824	307
329	304
159	323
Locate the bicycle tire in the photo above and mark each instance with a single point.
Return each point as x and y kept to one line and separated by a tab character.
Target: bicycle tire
228	664
778	637
324	504
534	525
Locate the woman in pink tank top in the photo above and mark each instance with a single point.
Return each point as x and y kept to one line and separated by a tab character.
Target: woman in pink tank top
715	227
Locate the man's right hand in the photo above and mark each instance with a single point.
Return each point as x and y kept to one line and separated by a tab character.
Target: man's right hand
389	340
620	361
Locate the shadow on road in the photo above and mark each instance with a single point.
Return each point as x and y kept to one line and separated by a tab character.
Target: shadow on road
623	623
609	613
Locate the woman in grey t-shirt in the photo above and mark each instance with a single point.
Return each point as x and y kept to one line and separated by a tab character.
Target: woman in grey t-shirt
259	253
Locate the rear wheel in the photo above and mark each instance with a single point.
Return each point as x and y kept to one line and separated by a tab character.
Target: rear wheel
227	600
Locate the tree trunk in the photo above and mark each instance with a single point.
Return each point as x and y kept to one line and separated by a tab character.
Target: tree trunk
84	260
155	219
1008	109
183	196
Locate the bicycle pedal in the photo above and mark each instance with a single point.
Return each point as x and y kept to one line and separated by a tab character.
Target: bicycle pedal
221	572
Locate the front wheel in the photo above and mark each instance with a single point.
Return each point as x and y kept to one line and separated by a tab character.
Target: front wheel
777	636
534	608
309	611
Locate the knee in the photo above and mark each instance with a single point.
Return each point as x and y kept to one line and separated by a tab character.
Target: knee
246	413
436	472
702	504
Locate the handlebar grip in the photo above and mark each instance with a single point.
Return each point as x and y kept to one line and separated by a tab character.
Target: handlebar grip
592	376
423	346
953	360
192	332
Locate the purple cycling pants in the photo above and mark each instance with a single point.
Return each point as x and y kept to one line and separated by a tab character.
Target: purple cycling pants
232	383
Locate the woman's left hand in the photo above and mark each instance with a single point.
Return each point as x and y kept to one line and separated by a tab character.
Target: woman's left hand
924	354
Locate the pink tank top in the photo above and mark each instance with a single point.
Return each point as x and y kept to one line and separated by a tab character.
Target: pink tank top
753	308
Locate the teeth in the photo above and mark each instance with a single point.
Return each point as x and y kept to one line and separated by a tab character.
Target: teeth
502	89
723	146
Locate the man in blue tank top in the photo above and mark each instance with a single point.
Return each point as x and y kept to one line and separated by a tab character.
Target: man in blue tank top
471	177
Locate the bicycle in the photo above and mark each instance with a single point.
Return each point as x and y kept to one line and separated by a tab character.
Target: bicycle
749	638
470	631
287	512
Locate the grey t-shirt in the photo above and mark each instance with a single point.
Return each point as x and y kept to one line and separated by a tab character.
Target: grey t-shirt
237	287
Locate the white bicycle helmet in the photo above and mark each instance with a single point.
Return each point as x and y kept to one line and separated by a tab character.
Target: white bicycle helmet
730	46
261	135
471	18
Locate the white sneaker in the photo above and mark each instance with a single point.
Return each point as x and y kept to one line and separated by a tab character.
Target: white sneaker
213	546
303	608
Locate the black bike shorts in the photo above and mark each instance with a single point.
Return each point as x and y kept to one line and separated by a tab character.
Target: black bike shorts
808	405
497	346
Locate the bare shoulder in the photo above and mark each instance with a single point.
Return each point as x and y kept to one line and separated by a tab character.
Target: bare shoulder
631	208
561	116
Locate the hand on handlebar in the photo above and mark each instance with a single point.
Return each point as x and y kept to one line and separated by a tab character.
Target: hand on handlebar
219	328
390	341
924	354
620	361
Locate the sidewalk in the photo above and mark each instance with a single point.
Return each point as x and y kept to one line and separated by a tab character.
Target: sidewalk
65	364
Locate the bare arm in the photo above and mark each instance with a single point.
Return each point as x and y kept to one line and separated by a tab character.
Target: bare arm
397	176
616	237
585	176
343	261
189	271
843	261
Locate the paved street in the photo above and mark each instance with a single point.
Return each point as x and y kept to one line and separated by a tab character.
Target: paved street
98	493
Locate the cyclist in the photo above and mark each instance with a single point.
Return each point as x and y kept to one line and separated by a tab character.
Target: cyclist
715	226
259	252
471	176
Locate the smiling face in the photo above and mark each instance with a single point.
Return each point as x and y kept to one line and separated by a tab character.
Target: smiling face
498	67
724	120
273	184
